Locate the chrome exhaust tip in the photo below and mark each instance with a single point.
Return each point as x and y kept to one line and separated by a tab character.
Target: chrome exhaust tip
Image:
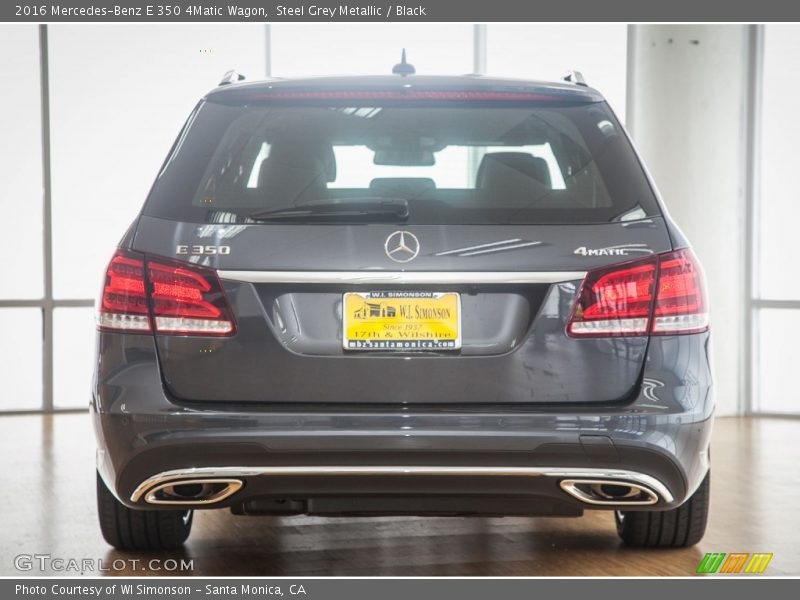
192	492
606	492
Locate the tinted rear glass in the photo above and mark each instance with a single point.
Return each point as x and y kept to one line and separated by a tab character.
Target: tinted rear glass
453	162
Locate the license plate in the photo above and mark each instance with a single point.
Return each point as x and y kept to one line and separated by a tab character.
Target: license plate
401	321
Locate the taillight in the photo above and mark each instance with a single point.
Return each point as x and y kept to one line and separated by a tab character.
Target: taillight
123	303
615	301
181	298
681	305
659	295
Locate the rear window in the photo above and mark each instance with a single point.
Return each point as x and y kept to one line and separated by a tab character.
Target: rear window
451	162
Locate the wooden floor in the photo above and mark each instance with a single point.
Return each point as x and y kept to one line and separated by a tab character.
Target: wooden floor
48	507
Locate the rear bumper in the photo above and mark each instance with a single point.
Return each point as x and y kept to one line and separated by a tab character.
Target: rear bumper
335	460
275	457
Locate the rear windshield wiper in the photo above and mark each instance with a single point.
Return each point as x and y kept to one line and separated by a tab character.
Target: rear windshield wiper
340	209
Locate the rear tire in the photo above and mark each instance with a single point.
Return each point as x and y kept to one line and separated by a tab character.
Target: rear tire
677	528
129	529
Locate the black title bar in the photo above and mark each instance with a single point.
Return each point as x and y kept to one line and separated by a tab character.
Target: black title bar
287	11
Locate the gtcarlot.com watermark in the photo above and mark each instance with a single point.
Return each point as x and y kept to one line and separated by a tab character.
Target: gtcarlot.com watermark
50	563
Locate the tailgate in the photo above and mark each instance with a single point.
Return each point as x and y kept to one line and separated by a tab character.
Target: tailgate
513	288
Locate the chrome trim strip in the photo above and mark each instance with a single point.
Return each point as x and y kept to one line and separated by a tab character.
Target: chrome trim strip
402	277
571	487
234	485
606	475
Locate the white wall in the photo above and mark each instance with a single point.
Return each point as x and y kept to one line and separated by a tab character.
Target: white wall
302	50
685	112
118	98
547	51
21	161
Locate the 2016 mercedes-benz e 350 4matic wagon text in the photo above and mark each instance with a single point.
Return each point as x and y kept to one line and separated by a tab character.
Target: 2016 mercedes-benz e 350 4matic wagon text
403	295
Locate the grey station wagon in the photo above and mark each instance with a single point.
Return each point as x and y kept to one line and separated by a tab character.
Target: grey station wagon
403	295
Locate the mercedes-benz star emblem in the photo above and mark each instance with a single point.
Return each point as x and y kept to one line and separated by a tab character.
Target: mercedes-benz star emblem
402	246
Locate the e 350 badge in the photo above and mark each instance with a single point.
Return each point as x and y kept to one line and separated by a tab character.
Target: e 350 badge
185	249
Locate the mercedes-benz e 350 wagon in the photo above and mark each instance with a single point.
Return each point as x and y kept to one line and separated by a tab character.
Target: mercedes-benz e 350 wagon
403	295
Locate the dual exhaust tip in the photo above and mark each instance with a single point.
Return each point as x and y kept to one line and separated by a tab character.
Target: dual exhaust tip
604	492
193	491
598	492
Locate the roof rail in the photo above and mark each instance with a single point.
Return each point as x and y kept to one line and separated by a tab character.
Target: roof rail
231	77
575	77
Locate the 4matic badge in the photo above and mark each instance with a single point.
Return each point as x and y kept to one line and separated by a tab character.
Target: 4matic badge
621	250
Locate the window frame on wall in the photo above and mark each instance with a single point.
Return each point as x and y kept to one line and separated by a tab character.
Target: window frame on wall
756	301
46	303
